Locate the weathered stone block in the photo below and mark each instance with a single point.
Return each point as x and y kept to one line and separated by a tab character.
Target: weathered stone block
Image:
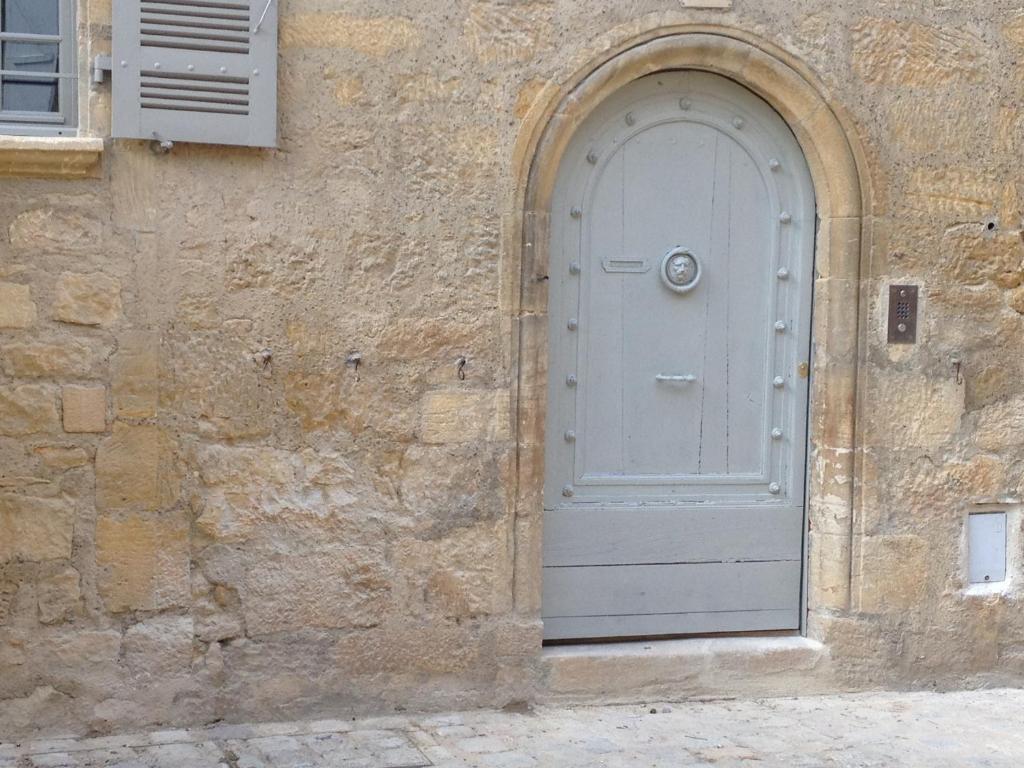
890	52
1013	30
17	310
59	596
466	574
330	587
92	299
972	256
85	408
829	570
215	622
249	490
465	416
243	468
891	573
34	529
316	398
143	562
349	91
216	381
1016	300
158	649
135	468
378	36
918	412
951	120
61	456
499	33
135	373
999	426
55	230
27	409
39	359
448	487
953	194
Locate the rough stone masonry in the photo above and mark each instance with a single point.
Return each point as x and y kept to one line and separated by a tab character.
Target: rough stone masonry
209	511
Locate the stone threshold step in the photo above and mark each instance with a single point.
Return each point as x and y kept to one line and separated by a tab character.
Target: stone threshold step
691	668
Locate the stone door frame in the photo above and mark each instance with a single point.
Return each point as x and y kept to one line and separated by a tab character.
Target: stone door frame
835	160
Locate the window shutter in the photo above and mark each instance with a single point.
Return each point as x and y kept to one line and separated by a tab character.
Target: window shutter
195	70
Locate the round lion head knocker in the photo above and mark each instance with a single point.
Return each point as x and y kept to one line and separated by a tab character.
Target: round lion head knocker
680	270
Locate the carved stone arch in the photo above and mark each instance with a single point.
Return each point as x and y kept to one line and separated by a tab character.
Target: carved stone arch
834	158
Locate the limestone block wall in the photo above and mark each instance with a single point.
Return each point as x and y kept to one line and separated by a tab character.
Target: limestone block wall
241	476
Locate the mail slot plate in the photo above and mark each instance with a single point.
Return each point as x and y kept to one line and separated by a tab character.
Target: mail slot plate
625	264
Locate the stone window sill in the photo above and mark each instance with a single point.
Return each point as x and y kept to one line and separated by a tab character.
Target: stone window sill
50	157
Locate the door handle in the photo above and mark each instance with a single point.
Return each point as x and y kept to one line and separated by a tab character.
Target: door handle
687	378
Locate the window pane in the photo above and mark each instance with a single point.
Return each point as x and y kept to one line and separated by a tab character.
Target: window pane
31	57
38	17
24	94
29	95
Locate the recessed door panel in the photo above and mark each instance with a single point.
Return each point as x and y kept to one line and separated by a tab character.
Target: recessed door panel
682	239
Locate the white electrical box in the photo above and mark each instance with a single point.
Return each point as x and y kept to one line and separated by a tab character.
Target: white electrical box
986	547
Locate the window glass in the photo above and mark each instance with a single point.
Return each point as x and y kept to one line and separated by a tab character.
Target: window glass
37	63
35	17
30	94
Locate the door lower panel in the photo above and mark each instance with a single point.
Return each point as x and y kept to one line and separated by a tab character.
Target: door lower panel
594	627
594	535
670	598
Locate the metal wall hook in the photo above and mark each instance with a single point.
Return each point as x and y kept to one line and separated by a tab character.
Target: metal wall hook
354	360
460	368
957	363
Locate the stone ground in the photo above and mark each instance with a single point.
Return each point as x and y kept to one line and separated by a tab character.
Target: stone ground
977	728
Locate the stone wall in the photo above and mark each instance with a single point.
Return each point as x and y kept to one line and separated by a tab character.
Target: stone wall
240	474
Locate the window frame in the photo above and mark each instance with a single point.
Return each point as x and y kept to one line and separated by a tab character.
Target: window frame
65	121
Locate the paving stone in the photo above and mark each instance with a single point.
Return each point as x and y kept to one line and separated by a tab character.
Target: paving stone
455	732
55	760
976	729
508	760
482	745
179	755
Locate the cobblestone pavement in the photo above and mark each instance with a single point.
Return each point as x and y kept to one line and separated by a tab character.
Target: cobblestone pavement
980	728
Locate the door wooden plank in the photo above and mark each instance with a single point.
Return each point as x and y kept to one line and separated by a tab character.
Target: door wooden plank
599	401
610	590
714	292
696	533
664	209
750	314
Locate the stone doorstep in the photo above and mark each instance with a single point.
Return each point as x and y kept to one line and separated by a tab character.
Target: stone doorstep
685	669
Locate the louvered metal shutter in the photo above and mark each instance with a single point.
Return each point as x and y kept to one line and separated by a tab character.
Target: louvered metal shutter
196	70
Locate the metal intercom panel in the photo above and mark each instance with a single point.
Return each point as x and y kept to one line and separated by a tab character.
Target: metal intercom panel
902	314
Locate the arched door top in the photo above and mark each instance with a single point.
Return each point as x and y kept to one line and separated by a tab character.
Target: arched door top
793	94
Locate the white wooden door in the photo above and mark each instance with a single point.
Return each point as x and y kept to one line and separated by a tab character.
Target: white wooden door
680	296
